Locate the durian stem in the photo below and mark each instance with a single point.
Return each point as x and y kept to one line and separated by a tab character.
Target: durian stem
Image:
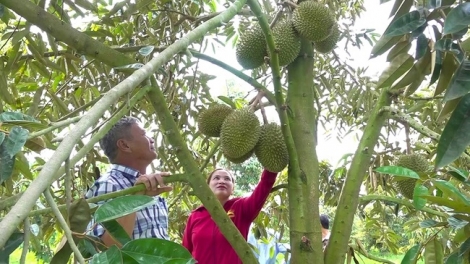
349	198
290	4
407	136
276	18
263	114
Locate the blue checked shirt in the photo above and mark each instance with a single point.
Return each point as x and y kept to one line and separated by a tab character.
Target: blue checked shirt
151	222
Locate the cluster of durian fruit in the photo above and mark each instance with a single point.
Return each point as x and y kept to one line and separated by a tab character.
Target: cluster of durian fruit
242	135
310	20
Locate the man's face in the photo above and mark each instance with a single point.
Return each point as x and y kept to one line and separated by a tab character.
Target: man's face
140	145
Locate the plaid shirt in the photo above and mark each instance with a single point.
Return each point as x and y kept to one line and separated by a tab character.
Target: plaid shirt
151	222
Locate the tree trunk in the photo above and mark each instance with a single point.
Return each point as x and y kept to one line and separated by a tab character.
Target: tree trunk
305	231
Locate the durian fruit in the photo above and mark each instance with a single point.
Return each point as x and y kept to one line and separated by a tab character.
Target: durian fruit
313	21
415	162
242	158
251	48
240	133
329	43
271	149
210	120
287	42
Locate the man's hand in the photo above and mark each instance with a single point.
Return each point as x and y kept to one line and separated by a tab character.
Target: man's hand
154	183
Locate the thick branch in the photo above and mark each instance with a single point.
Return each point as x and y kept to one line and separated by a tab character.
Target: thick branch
349	199
196	179
54	126
107	196
402	202
403	118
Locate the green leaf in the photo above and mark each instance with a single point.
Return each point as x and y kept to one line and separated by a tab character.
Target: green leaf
7	163
455	137
449	66
116	231
30	125
398	171
459	174
400	47
421	46
411	255
153	250
432	4
457	206
15	141
460	83
2	137
405	24
464	248
122	206
434	252
15	116
454	258
110	256
147	50
228	101
418	192
129	68
448	189
428	223
457	19
2	10
448	45
22	166
437	67
383	45
399	66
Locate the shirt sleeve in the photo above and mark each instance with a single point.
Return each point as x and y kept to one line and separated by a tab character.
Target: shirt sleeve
187	235
99	188
253	204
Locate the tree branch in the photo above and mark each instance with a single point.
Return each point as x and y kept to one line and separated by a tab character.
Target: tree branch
349	198
107	196
195	177
406	203
403	118
65	227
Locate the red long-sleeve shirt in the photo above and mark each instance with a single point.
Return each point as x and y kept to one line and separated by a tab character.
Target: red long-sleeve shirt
202	236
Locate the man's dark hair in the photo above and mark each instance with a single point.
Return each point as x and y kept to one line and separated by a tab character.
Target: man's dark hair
325	222
120	130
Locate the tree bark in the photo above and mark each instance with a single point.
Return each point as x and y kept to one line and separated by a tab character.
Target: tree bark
349	199
305	228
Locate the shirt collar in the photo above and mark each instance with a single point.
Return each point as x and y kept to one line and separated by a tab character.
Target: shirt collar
125	170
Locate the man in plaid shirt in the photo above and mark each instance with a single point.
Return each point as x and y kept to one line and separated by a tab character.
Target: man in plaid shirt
130	151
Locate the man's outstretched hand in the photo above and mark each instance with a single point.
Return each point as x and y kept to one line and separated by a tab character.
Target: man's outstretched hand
154	183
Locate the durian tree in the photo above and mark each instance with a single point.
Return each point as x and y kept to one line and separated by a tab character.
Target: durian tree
64	84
